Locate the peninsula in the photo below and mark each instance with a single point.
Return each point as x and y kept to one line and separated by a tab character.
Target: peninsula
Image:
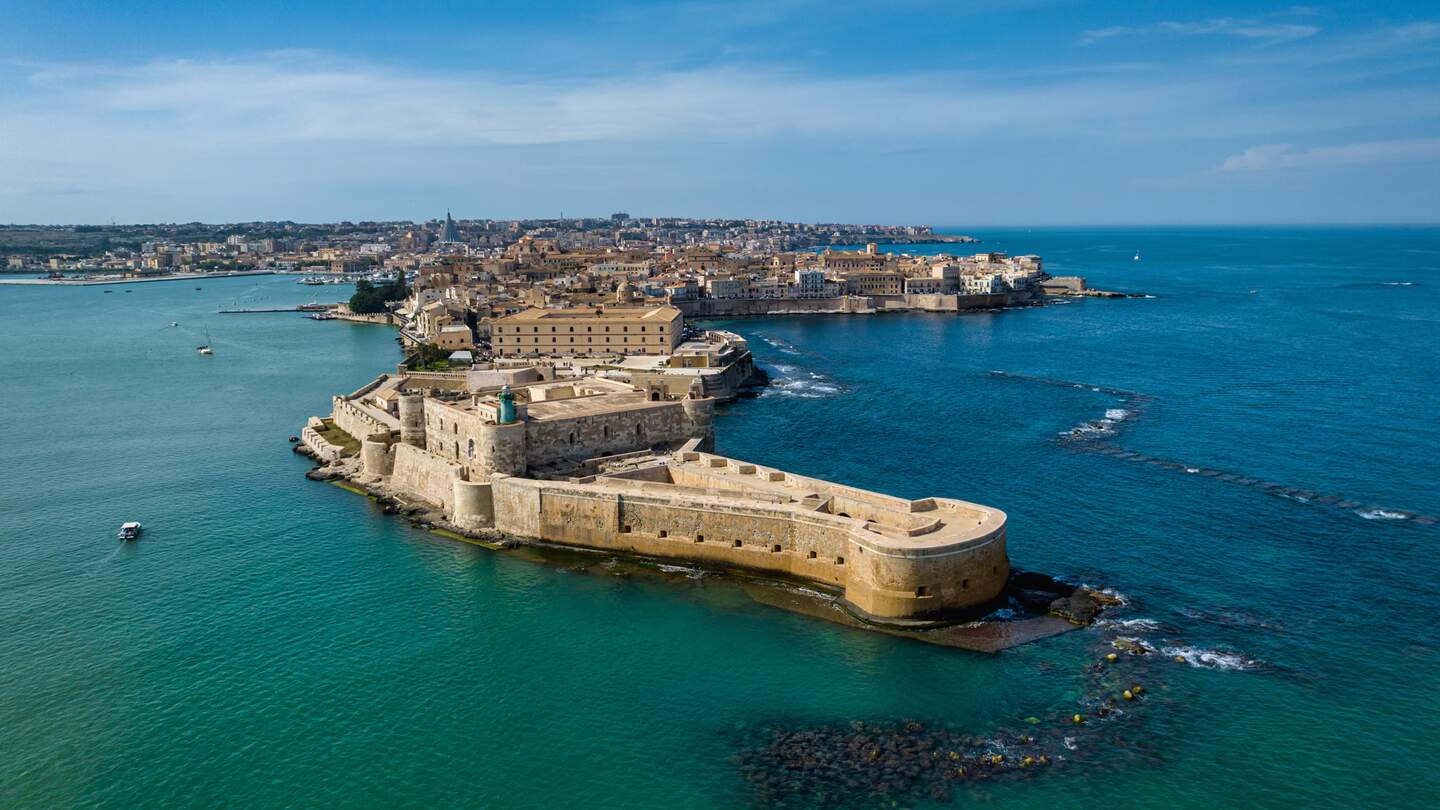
594	429
595	463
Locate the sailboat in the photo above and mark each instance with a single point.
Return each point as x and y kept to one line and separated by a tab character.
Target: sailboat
1137	257
205	347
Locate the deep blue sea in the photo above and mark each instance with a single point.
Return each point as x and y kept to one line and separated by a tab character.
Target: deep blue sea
1249	458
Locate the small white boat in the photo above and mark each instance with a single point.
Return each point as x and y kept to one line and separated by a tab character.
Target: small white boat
129	530
204	348
1137	257
173	323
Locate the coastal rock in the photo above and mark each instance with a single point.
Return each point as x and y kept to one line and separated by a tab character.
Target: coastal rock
1080	607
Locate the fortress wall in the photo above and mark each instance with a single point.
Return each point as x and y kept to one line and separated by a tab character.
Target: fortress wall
605	434
891	585
596	516
733	307
474	504
466	438
426	476
368	387
437	380
878	577
323	450
357	420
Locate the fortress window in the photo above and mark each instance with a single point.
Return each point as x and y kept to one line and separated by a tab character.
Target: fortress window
572	438
810	556
624	529
605	431
699	538
664	534
775	548
923	590
640	429
738	543
964	583
470	449
839	560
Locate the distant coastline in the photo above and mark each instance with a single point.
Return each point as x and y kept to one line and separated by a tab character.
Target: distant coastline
102	280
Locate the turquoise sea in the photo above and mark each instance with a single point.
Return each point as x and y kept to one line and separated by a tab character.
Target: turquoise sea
273	641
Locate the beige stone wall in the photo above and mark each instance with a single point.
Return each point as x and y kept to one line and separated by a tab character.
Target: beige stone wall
360	421
878	576
604	434
426	476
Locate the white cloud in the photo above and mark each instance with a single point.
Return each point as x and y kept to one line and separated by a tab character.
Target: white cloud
1268	157
292	98
1263	31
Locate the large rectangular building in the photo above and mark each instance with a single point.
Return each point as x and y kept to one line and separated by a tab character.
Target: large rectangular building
611	330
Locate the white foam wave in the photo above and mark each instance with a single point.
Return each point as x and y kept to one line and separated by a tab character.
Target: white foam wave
1132	625
1210	659
814	388
1381	514
1117	414
1398	283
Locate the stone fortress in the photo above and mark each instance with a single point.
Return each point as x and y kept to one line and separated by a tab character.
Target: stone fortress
601	464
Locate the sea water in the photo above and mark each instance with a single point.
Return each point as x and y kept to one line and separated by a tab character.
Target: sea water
276	641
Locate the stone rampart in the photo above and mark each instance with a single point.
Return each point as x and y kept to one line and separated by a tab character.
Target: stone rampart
426	476
740	307
360	420
323	450
894	559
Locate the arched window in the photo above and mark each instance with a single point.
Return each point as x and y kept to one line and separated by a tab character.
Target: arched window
470	449
639	431
572	438
605	431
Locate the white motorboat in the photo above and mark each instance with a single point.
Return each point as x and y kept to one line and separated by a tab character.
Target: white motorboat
129	530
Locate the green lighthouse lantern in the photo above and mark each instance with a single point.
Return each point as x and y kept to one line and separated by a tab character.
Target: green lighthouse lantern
507	406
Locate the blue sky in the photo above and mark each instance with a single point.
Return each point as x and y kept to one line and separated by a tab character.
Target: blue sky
913	111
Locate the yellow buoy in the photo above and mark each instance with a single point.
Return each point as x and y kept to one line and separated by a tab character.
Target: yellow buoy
1028	761
1179	659
1112	657
954	756
1137	689
1079	718
1127	695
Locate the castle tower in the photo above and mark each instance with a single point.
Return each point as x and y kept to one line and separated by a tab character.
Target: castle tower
700	416
412	419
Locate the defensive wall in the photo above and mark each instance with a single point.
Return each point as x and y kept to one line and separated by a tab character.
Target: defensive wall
892	558
595	464
850	305
741	307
